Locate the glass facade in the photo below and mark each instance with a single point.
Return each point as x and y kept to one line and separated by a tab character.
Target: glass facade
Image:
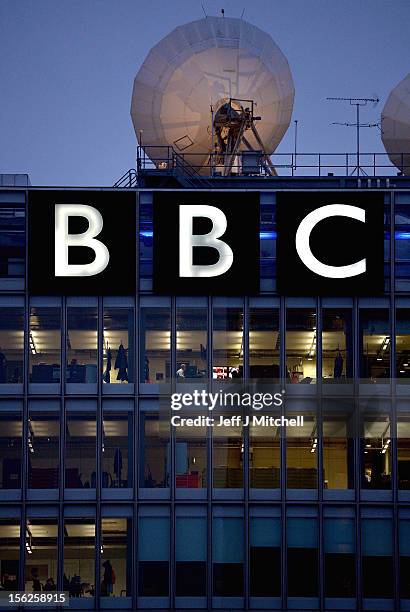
100	497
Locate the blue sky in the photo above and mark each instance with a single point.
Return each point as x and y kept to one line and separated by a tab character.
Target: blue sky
67	69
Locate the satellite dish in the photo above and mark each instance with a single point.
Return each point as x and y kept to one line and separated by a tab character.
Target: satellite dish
216	85
395	125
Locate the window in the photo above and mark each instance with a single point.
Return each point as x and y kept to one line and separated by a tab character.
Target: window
374	345
377	559
264	460
41	555
190	553
301	345
9	553
302	557
402	240
227	343
153	555
338	444
340	563
81	344
154	444
116	557
117	450
228	555
337	345
264	343
43	446
190	456
301	453
403	345
265	556
376	450
45	344
81	431
118	345
403	445
12	238
228	452
404	551
155	344
10	450
191	344
79	557
11	344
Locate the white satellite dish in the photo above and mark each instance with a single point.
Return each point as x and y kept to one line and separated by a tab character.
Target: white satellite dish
221	63
395	125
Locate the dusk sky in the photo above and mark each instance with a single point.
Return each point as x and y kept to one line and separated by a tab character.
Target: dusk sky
67	69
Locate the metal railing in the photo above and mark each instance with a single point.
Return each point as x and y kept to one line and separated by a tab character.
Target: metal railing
167	160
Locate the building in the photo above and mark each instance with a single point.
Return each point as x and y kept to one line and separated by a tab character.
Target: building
90	473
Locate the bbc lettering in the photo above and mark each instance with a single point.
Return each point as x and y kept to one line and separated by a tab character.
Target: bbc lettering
209	244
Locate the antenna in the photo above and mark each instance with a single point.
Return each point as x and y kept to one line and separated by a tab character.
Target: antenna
357	102
243	12
296	142
223	12
206	16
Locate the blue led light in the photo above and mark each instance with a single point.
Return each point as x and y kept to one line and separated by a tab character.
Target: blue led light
274	235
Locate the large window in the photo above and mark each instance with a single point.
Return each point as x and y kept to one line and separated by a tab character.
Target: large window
43	447
264	343
228	451
116	557
155	345
80	463
118	345
301	453
155	451
377	557
340	561
336	345
190	552
302	556
376	449
264	457
403	344
41	555
404	552
45	344
301	345
265	556
403	445
117	449
10	450
12	237
190	456
191	344
228	555
402	233
338	435
79	557
227	343
11	344
374	344
81	344
9	553
153	553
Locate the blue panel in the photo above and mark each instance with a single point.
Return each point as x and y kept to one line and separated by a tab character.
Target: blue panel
228	540
404	538
265	532
302	532
339	535
377	537
153	539
191	539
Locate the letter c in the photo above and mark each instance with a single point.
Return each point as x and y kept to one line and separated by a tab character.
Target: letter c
303	238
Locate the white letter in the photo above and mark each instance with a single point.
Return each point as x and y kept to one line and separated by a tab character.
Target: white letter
63	240
303	236
188	240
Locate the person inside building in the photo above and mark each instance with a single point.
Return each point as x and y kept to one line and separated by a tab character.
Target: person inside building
107	586
181	371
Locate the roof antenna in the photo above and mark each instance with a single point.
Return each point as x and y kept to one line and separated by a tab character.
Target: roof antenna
223	12
243	12
202	4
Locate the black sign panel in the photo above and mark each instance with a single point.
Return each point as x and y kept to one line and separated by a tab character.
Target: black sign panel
58	217
330	243
206	243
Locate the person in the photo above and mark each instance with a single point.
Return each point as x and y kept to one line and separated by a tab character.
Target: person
109	578
50	585
8	584
181	371
36	579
